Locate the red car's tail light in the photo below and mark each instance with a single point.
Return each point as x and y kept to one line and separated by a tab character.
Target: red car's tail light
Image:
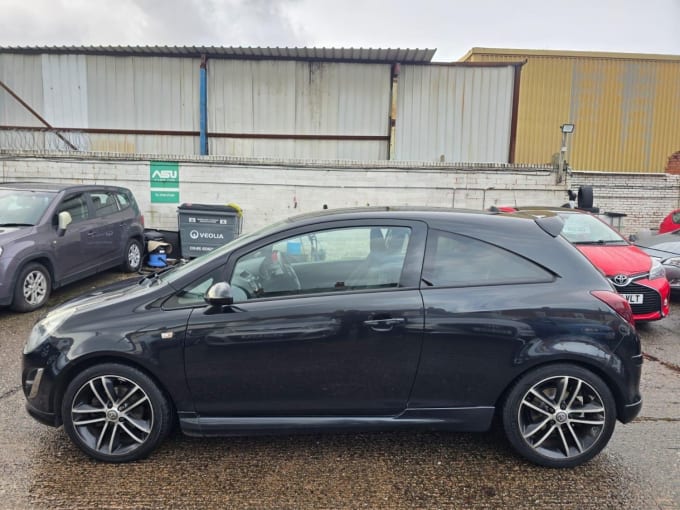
617	302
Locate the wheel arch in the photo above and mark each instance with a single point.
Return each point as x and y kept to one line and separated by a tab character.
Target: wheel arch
77	366
592	367
42	259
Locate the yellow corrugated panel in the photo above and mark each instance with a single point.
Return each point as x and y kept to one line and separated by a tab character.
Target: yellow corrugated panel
626	108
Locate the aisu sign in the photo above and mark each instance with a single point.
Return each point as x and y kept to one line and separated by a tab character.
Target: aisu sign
164	182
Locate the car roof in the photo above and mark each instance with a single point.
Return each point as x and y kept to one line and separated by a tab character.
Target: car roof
431	215
54	187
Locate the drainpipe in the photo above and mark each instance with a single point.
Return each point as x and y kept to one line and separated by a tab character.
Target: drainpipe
396	68
204	106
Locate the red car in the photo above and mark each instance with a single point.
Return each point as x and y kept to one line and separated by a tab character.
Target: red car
636	276
670	222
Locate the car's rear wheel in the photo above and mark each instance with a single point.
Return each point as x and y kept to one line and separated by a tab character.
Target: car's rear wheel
133	256
559	415
32	289
115	413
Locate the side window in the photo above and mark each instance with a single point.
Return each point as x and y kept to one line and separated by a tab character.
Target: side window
104	203
455	261
123	200
343	259
676	218
192	294
76	206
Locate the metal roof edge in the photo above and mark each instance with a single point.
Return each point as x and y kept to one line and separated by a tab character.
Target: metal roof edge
523	53
368	55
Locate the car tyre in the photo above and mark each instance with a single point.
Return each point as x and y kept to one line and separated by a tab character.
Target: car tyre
115	413
133	256
32	289
559	415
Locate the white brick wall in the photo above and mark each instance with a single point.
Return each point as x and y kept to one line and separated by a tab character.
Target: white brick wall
269	190
645	198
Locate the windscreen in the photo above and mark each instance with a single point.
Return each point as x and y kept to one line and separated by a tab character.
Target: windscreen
587	229
20	208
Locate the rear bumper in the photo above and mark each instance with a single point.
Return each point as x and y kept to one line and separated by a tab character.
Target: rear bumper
630	411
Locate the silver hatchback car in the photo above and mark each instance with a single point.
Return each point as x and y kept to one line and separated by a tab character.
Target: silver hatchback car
54	234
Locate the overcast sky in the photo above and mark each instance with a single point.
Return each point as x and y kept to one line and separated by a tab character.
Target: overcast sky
450	26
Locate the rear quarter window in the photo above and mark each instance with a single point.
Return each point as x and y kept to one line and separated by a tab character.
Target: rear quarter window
453	260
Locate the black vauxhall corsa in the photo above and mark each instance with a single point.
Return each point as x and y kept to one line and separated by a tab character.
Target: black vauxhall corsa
354	319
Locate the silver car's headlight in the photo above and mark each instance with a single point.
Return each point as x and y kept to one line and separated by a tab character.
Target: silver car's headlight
657	270
44	328
673	261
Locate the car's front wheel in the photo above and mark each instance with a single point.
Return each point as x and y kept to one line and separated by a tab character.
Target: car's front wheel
133	256
115	413
32	289
559	415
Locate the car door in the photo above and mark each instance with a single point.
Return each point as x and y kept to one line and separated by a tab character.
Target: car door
106	236
322	346
75	253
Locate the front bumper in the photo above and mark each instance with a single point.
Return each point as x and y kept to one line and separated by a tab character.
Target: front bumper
43	417
656	298
39	384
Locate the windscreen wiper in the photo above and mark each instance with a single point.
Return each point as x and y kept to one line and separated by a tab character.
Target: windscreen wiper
601	242
17	225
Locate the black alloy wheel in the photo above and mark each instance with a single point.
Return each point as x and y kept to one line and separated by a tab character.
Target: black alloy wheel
115	413
559	415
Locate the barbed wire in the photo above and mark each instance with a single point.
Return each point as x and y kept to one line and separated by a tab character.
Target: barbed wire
43	140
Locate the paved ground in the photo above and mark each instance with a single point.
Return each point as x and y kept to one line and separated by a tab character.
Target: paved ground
640	469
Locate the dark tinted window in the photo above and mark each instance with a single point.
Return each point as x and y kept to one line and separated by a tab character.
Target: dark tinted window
76	206
454	260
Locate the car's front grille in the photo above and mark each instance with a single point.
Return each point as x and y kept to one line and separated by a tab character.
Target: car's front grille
651	301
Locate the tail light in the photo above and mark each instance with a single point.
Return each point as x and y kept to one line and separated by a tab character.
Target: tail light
141	219
617	303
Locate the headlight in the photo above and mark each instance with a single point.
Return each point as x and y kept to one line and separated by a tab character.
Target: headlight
673	261
43	329
657	270
0	250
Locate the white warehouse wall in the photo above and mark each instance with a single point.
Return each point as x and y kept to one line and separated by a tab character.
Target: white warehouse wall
269	190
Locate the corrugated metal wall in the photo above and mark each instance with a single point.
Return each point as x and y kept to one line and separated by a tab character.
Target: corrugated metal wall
143	93
456	114
298	98
626	110
263	108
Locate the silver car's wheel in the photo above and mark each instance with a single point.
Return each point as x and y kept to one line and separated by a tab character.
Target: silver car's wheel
133	256
560	416
115	413
32	288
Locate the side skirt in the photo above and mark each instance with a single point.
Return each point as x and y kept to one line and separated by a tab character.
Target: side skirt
463	419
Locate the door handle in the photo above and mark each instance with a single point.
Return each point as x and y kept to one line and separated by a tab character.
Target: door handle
90	234
384	324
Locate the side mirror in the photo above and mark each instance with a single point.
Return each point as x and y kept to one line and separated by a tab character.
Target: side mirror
64	220
633	238
219	294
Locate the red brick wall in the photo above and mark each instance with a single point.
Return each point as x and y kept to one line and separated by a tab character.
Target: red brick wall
673	166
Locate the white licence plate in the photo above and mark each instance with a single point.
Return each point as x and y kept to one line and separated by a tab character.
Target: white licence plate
634	299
